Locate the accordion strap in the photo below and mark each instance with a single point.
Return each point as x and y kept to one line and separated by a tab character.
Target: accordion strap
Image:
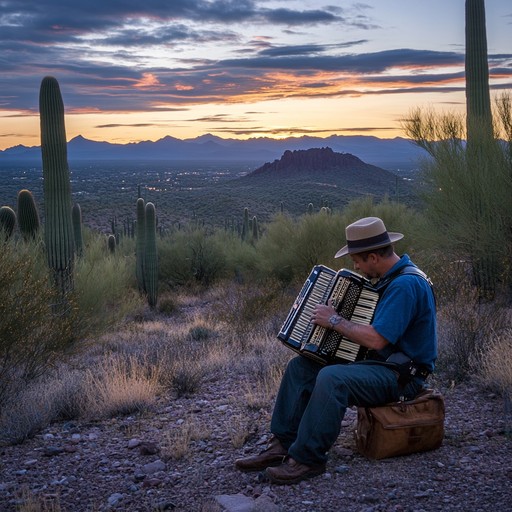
408	270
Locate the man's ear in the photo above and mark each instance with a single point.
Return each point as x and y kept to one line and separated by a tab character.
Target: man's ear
373	257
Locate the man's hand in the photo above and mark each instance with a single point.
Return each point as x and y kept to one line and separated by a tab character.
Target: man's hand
321	315
364	335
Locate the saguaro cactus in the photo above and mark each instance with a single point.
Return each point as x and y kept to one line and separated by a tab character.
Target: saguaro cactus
57	188
481	148
7	221
151	256
76	214
478	101
140	243
28	216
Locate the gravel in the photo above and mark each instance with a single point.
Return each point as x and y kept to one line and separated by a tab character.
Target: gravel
129	463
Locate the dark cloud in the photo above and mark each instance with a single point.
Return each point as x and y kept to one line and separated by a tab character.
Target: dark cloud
306	49
290	17
375	62
252	130
127	125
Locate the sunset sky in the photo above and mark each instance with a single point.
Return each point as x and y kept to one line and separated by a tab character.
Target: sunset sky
132	70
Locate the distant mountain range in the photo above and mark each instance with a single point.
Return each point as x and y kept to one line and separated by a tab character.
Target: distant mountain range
386	153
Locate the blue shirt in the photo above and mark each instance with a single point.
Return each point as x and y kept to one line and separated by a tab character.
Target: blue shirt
406	316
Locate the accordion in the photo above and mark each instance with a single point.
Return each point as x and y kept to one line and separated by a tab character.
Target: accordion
351	295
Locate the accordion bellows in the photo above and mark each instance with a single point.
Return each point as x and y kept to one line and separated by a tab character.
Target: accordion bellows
352	296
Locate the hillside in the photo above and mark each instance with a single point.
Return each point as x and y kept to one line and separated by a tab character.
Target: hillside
318	160
216	192
319	176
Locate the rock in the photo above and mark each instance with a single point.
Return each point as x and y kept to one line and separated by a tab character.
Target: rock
148	448
133	443
52	451
114	499
154	467
235	503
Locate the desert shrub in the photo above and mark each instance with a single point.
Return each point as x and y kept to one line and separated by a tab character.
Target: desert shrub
33	337
105	286
276	257
290	248
188	375
241	258
189	256
120	385
496	362
465	326
496	370
243	306
56	396
167	304
200	333
396	217
469	200
175	443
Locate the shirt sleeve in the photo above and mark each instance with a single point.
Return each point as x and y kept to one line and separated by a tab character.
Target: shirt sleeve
396	309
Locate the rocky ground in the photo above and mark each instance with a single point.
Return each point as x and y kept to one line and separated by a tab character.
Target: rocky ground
133	463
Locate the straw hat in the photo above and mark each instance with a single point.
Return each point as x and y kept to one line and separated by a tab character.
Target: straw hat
367	234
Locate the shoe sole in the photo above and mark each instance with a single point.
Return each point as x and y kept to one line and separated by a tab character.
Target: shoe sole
261	467
290	481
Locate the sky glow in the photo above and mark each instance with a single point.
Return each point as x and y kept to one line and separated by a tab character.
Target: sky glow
132	70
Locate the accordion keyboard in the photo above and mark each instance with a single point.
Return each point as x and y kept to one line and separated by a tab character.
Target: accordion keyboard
352	297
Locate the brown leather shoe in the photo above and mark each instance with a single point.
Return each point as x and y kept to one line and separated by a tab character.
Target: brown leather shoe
271	456
293	472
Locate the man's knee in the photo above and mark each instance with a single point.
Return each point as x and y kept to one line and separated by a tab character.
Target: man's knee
330	376
302	364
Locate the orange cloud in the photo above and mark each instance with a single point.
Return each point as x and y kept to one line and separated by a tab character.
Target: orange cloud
148	80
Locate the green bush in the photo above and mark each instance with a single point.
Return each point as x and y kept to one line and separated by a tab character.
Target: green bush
192	256
105	287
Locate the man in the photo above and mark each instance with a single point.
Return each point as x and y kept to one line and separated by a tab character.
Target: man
402	343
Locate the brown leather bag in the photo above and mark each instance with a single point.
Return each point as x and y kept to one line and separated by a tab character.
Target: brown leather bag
401	428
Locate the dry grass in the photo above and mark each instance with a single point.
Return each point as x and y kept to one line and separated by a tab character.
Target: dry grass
239	429
175	443
496	357
28	502
244	307
259	396
120	385
465	325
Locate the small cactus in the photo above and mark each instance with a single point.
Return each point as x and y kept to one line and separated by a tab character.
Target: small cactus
255	230
76	213
245	225
111	243
7	221
28	216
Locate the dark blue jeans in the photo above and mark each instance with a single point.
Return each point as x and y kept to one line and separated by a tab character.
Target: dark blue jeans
312	401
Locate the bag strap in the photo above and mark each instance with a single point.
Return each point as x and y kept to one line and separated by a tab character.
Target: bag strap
407	270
